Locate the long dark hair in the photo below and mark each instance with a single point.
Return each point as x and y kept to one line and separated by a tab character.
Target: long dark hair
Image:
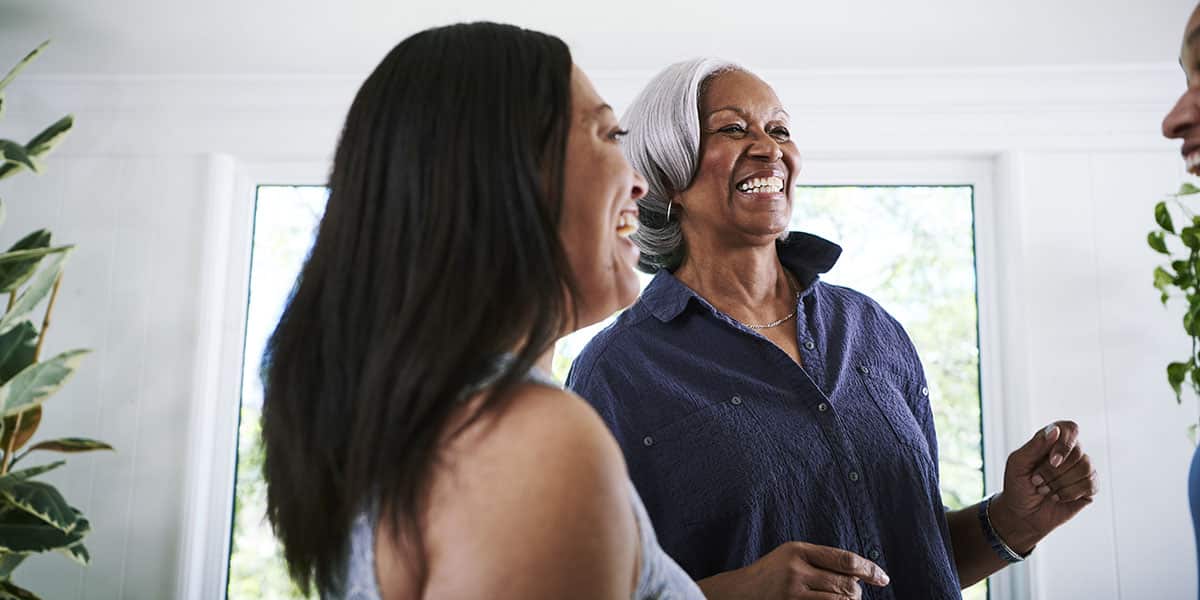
437	253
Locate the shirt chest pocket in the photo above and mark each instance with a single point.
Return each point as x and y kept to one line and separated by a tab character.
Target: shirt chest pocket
890	401
706	464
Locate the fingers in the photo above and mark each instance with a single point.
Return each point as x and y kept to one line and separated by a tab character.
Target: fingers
827	585
1026	458
1045	475
1087	487
1065	444
845	563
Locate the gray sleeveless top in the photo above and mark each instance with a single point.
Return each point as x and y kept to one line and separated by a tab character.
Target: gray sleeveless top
659	577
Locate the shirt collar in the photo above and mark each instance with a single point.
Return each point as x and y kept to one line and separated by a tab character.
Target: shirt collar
804	254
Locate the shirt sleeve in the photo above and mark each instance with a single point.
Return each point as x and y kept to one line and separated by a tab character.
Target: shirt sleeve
916	392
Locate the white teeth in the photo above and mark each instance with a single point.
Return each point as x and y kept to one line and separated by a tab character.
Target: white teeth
762	184
627	224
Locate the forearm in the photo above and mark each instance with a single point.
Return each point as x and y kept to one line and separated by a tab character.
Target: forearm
730	584
974	557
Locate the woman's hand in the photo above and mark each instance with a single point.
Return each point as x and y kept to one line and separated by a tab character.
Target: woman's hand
798	571
1046	483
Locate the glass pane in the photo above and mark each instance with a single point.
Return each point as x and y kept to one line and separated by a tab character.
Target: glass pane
285	221
912	249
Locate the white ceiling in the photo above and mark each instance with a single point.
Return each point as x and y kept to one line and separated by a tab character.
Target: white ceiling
347	37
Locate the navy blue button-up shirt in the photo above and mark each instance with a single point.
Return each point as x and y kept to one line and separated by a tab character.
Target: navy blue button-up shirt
736	449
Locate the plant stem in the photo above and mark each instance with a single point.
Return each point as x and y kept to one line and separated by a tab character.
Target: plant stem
12	442
46	321
12	299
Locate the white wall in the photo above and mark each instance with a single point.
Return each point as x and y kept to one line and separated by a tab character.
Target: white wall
171	37
141	186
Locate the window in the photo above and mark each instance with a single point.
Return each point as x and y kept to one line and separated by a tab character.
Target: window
912	248
285	221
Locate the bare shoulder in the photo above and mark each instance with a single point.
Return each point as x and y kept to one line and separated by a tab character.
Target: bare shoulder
532	501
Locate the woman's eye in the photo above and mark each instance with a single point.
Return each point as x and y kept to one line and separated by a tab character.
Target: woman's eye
732	129
781	132
617	134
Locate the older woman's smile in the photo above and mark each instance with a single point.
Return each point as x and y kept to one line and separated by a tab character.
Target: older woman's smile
627	223
767	183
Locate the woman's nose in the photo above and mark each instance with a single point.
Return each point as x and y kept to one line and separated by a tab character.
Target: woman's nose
1182	117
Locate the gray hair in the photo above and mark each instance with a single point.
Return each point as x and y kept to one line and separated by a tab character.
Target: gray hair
664	146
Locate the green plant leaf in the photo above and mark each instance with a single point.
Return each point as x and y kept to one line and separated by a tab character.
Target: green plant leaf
1191	321
77	553
41	500
32	472
23	533
15	273
1163	217
1189	237
1165	297
8	563
13	152
1188	189
39	287
17	347
12	73
37	382
1183	273
1157	242
44	142
23	255
11	591
70	445
1176	373
1162	278
3	106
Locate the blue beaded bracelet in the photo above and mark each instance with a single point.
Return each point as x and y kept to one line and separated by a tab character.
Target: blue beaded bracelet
1002	550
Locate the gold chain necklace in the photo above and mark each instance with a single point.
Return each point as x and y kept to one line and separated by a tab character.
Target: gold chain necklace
781	321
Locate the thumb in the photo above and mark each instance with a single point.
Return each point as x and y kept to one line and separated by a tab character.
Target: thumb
1028	457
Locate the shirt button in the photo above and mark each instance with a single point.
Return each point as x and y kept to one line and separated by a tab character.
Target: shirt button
853	475
924	391
822	407
864	370
809	345
648	441
873	554
736	400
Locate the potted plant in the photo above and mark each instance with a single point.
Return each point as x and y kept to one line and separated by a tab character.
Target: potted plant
1178	237
34	516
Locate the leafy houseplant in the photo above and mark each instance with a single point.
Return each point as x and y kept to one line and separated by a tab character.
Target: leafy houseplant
1182	277
34	516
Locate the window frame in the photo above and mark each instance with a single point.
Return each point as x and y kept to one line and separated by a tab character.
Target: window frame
225	291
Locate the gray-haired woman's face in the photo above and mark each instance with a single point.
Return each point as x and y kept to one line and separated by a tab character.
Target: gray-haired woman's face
742	191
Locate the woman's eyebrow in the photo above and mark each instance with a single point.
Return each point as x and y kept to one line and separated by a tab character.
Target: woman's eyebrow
776	111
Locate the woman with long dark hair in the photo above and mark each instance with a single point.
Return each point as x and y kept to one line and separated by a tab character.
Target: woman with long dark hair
479	209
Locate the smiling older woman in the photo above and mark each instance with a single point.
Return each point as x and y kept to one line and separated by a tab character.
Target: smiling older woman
779	427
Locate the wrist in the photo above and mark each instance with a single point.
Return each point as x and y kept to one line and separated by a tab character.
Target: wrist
1011	528
728	585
